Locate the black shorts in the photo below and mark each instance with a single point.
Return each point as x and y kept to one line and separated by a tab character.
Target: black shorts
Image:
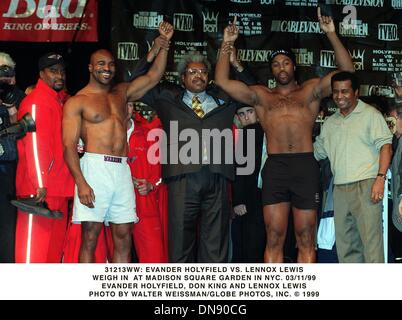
291	177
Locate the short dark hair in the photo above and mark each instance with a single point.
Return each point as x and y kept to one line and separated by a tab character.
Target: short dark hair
345	76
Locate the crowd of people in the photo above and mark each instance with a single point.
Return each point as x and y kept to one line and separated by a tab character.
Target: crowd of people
212	172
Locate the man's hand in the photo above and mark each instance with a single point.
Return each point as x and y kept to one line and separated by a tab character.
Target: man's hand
240	210
144	186
166	29
161	42
377	191
40	194
228	48
326	23
86	195
233	56
231	32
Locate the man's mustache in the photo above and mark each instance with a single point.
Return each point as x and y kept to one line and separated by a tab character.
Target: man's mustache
203	81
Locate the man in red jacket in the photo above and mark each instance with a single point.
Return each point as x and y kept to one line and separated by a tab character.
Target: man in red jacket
41	171
150	233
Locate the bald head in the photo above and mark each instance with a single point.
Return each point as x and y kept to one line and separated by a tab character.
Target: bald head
102	67
99	54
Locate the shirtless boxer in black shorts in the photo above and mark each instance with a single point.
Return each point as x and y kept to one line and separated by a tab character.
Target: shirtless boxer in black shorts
287	114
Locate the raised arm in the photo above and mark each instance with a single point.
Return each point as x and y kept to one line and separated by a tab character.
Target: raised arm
236	89
342	56
72	117
241	73
139	86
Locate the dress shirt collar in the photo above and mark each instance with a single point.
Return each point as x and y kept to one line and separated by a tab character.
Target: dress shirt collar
202	96
358	109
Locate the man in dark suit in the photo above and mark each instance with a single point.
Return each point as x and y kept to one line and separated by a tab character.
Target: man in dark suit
199	161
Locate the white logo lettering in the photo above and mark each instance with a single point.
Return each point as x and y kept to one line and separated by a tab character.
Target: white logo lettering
397	4
388	32
303	57
183	22
42	10
147	20
350	20
358	58
127	51
327	59
250	23
364	3
377	90
299	3
296	26
253	55
355	29
210	21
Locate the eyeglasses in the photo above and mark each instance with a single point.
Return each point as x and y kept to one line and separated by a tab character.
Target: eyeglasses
193	72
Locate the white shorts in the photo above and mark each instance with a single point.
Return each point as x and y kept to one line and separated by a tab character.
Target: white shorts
110	179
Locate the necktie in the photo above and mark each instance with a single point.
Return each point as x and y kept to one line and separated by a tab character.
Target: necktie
197	107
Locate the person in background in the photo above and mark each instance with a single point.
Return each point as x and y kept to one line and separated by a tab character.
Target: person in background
42	172
248	231
10	98
357	142
396	167
150	191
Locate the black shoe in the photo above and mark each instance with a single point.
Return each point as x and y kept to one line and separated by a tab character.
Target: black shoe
29	205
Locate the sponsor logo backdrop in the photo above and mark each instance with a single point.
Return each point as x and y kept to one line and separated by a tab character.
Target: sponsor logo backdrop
370	29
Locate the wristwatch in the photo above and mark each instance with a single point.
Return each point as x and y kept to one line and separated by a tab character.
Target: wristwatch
382	175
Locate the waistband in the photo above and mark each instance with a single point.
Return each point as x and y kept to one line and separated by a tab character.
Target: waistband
105	157
291	155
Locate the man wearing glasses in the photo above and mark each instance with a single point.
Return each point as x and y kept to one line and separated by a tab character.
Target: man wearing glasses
196	174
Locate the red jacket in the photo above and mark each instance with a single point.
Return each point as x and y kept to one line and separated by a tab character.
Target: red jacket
40	153
140	166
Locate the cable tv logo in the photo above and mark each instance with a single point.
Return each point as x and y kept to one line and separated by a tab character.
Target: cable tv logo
388	32
210	21
127	51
